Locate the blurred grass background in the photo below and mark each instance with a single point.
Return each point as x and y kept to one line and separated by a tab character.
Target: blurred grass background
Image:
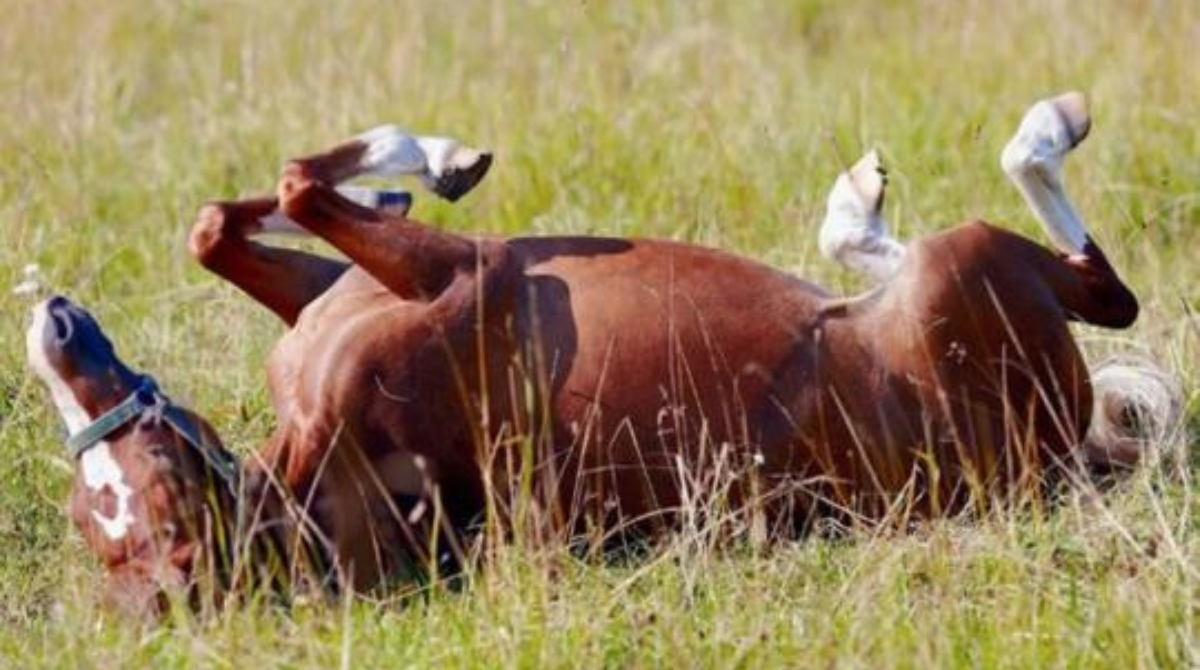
719	123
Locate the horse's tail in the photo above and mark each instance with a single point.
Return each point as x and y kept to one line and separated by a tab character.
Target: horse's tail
1138	407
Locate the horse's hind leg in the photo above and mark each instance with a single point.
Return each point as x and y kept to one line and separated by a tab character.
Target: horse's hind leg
854	232
1083	279
283	280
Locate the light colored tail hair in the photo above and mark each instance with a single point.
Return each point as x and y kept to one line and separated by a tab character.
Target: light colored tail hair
1138	409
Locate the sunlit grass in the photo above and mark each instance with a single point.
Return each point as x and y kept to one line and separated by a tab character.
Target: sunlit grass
719	123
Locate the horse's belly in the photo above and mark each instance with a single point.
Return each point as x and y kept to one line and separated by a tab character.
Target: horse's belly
656	373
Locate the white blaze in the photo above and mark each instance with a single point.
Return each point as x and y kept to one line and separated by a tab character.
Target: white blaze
97	464
69	408
101	470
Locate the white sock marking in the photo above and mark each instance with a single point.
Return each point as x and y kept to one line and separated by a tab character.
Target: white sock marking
443	153
1033	160
276	223
392	152
374	198
854	232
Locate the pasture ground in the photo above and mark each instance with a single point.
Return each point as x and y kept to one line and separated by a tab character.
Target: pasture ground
719	123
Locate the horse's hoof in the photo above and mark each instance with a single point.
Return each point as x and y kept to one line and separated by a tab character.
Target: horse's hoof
460	176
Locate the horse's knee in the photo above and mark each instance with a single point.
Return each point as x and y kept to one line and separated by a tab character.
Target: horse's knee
209	231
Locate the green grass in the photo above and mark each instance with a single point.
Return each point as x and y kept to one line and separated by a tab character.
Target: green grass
720	123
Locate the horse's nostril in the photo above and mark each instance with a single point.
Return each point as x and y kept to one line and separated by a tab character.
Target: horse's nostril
63	326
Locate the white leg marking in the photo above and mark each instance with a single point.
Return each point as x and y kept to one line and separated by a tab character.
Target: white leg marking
388	201
276	223
1033	160
854	232
392	152
101	470
97	464
443	153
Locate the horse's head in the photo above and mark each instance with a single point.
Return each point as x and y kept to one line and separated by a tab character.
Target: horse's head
153	486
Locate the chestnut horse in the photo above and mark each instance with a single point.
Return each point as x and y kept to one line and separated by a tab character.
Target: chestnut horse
605	384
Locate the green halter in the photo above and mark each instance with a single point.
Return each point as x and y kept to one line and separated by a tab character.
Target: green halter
146	398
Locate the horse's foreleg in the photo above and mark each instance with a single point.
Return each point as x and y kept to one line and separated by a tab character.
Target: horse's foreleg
283	280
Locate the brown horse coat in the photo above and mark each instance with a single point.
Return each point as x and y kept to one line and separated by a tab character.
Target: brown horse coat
616	384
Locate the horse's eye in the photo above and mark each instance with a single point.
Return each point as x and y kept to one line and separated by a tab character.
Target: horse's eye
159	451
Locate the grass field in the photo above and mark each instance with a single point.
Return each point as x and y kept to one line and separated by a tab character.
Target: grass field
719	123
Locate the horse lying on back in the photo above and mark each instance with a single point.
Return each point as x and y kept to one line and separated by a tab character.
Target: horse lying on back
610	383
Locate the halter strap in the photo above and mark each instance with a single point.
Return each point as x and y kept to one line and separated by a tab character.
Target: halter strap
147	398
